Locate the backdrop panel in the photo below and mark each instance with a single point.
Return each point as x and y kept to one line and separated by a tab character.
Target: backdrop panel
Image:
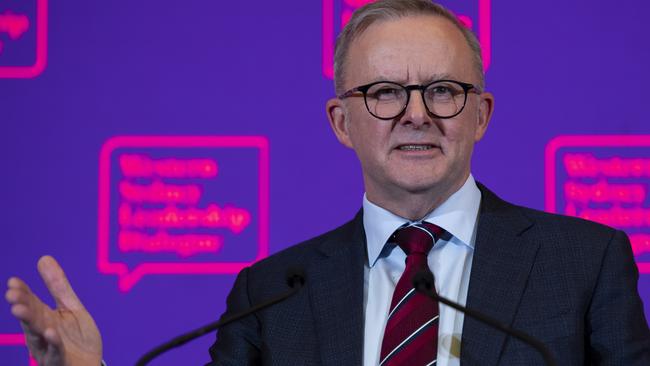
157	147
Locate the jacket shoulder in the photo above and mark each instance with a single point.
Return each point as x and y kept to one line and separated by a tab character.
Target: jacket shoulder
541	222
299	255
564	223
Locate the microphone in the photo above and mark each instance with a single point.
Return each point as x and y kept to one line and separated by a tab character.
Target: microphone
424	284
295	280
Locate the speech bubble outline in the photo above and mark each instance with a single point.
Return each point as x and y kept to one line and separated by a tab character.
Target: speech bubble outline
563	141
329	38
32	71
16	339
128	278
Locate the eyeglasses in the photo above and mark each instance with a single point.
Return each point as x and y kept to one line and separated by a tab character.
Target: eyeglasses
387	100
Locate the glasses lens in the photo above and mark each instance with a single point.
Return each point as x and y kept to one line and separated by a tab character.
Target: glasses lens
386	100
444	98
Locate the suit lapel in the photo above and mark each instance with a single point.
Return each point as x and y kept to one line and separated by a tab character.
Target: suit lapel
337	300
502	262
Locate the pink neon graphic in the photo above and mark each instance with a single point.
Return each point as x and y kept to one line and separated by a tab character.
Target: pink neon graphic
466	21
184	245
619	217
347	7
155	203
640	244
160	192
15	25
16	340
587	165
141	166
162	213
233	218
603	192
611	190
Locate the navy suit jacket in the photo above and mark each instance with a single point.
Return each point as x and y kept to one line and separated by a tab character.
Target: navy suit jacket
569	282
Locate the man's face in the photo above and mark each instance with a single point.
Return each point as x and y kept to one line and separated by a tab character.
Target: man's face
410	50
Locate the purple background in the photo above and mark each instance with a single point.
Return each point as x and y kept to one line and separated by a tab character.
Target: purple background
202	67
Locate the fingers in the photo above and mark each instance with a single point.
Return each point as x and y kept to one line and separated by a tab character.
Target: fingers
26	306
58	284
15	283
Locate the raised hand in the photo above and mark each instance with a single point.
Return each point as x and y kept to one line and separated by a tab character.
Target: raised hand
65	336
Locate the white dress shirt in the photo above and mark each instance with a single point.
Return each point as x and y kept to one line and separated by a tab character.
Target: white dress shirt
450	261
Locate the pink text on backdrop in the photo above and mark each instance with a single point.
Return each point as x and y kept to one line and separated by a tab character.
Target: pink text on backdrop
603	178
333	20
16	340
156	197
13	28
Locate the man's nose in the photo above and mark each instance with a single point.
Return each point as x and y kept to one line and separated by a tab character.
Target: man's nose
416	111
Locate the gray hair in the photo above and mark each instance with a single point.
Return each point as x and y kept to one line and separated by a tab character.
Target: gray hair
394	9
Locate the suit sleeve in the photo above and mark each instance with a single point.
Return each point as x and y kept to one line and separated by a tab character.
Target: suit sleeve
237	343
616	327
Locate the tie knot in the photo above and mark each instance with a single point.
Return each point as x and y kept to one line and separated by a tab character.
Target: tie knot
417	238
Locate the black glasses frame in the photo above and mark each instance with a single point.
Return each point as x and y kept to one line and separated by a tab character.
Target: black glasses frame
364	90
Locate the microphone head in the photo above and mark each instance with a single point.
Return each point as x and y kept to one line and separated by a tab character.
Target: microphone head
423	282
296	277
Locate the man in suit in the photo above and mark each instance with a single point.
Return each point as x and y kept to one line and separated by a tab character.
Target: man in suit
570	283
411	103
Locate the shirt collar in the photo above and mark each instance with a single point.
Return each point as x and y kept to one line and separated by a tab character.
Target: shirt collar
457	215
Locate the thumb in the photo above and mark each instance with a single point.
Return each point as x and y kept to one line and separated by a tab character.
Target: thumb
57	283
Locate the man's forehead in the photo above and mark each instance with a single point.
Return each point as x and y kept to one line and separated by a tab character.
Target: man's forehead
421	77
407	26
409	49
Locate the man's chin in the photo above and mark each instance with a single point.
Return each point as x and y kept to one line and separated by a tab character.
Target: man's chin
420	185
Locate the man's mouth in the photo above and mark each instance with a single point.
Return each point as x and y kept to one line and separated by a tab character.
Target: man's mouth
415	147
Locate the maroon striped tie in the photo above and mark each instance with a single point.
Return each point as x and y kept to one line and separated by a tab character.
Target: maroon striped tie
411	335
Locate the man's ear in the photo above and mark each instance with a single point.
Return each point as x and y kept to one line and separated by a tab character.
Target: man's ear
338	117
485	109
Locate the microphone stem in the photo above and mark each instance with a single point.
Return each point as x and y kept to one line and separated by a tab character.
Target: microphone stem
184	338
539	346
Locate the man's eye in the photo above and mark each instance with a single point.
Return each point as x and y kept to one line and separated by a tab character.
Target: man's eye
440	93
441	90
387	93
